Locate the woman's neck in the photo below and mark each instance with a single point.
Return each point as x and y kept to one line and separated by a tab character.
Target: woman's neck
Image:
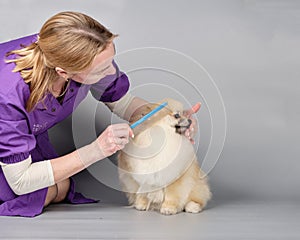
59	87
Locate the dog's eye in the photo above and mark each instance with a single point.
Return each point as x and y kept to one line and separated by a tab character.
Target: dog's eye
176	115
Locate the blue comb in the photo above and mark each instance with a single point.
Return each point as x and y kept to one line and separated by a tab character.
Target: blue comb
148	115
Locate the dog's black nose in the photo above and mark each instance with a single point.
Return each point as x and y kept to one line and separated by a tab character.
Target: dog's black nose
183	125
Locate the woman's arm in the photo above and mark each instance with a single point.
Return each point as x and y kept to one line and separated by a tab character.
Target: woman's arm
24	177
112	139
126	106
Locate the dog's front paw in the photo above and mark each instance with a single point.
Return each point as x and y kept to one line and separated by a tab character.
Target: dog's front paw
193	207
168	208
141	202
156	197
141	206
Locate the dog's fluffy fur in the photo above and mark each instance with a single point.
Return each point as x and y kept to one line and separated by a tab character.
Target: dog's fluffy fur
158	169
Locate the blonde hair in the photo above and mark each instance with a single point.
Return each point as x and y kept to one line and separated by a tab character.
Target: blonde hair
69	40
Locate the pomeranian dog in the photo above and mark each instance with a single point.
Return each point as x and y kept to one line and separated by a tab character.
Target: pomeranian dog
158	168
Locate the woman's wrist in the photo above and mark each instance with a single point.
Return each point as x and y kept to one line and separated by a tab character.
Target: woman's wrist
90	153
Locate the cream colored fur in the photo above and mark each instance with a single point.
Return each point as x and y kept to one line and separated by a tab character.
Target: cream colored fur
158	169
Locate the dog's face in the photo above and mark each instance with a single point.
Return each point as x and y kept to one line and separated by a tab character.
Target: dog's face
172	116
180	122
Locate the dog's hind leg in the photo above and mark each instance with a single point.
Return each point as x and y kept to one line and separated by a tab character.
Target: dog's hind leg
198	197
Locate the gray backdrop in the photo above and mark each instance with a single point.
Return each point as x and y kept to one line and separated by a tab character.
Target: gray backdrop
249	48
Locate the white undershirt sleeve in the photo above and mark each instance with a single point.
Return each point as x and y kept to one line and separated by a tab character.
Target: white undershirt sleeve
25	177
119	107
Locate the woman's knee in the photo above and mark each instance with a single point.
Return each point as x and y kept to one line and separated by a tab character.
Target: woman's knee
51	195
62	190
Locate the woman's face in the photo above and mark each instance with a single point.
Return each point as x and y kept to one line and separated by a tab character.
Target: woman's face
100	68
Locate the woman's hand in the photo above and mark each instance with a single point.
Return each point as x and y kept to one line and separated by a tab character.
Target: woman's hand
114	138
192	130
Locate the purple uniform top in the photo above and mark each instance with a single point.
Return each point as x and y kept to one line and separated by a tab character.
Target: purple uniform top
23	134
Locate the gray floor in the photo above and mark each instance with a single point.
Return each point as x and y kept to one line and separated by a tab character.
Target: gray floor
227	220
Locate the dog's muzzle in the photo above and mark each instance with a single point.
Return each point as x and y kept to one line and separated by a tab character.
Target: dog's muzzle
183	125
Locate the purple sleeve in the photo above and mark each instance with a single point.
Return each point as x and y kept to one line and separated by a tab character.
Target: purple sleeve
112	87
16	140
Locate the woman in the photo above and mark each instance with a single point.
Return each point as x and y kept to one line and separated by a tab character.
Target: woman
43	79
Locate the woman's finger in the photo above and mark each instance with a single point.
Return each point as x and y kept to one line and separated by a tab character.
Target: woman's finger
192	110
196	107
120	133
121	141
121	130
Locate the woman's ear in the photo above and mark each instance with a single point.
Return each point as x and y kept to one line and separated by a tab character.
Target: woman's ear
62	73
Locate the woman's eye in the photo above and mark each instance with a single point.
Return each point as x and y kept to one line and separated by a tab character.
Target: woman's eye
176	115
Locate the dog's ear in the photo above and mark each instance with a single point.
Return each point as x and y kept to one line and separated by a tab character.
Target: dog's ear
140	112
